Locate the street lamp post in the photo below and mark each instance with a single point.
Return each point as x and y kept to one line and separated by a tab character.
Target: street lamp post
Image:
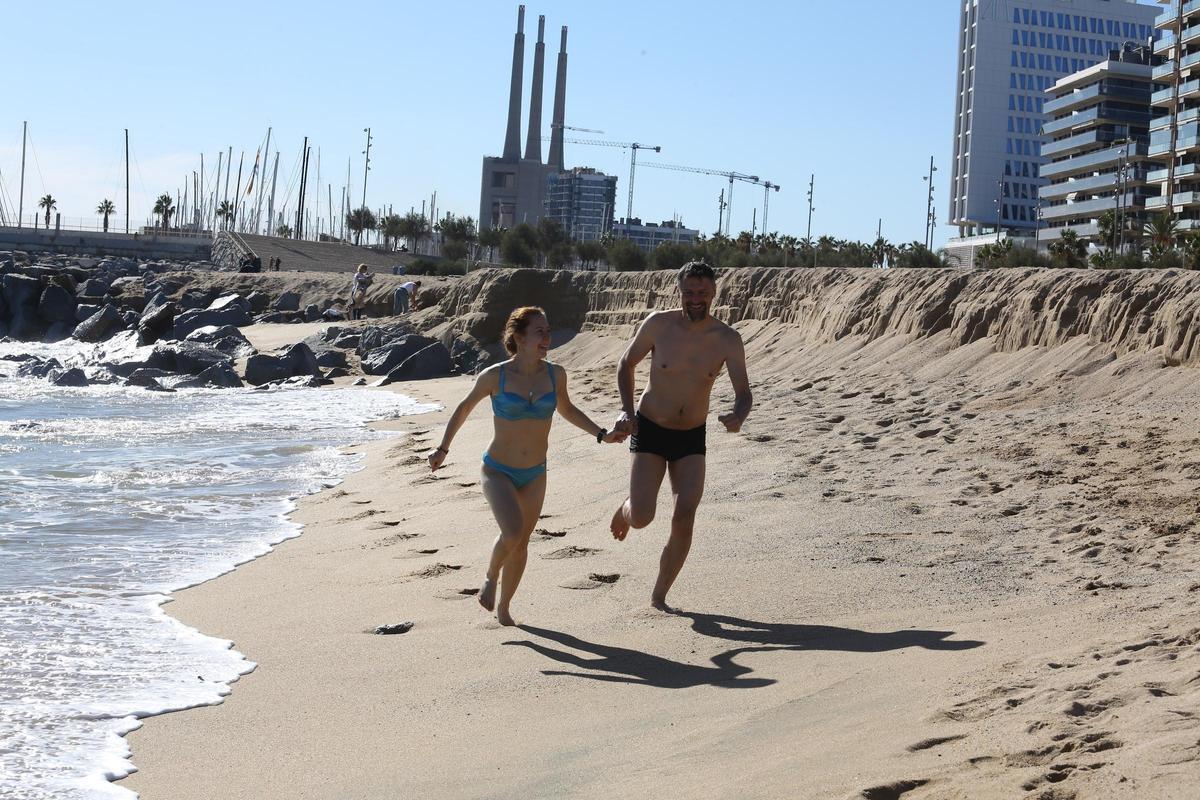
812	182
929	206
999	205
366	165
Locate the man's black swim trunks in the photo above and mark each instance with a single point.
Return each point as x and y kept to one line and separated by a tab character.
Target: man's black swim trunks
669	443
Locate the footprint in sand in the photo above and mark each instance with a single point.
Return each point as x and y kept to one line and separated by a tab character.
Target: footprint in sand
894	790
593	581
541	534
437	570
572	552
926	744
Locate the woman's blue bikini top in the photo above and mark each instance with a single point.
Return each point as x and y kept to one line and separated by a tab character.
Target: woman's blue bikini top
507	405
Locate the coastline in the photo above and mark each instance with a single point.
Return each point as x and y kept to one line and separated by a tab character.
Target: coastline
847	624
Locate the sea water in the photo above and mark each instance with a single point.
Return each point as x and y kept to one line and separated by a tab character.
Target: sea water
110	499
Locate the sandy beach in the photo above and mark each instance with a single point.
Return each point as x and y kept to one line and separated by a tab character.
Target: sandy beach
927	568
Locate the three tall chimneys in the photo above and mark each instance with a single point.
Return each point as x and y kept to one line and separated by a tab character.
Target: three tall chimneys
533	140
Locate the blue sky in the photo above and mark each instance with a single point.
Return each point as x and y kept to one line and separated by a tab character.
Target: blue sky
861	94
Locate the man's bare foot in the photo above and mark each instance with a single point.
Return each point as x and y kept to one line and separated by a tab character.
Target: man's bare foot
620	525
487	594
505	618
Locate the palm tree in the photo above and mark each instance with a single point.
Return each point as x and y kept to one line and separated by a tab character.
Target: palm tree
414	228
225	213
1069	250
164	207
47	203
361	219
106	208
491	238
392	228
1162	230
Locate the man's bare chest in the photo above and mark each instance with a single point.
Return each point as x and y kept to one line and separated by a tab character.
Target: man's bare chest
694	359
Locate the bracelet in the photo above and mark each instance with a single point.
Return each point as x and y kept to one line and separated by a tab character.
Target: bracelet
440	449
600	435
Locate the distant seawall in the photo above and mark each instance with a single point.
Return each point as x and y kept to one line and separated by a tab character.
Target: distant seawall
96	243
1125	310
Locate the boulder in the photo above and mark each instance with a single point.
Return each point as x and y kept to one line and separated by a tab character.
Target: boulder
57	304
297	360
127	285
259	301
312	312
38	367
386	358
229	301
196	298
218	376
288	301
85	310
145	376
302	360
332	315
19	290
71	377
190	358
99	326
329	358
157	318
432	361
278	317
226	338
92	287
230	314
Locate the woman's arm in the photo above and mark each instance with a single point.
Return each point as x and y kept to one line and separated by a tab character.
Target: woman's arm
483	387
572	414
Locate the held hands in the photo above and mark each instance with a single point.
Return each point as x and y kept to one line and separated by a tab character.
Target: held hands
731	421
435	458
614	437
626	425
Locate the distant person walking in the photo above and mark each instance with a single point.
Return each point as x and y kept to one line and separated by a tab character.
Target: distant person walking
358	292
525	392
404	293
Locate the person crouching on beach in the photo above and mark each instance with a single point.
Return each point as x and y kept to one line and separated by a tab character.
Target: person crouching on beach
358	291
525	392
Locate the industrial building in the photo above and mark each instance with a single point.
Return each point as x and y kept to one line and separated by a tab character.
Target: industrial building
1096	145
513	186
1009	53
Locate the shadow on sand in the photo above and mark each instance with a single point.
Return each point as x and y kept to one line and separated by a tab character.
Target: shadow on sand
604	662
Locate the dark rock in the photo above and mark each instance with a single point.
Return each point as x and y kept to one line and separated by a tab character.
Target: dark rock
195	299
57	304
39	368
129	319
337	372
229	301
85	310
19	290
190	358
360	382
328	358
302	361
288	301
72	377
188	321
390	630
432	361
312	312
145	376
386	358
218	376
262	368
259	301
332	315
99	326
92	287
156	320
226	338
127	285
300	382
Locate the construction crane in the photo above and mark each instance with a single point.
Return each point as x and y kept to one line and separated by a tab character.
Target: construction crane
731	176
573	128
767	187
633	148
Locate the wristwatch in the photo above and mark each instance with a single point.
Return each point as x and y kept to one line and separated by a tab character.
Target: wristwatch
600	435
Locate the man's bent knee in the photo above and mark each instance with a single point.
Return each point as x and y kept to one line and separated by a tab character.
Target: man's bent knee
640	517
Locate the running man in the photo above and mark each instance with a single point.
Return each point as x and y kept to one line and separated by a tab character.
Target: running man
689	348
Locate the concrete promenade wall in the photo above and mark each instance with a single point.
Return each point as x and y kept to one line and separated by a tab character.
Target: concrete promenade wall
40	240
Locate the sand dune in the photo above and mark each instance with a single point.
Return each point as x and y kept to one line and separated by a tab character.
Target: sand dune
951	556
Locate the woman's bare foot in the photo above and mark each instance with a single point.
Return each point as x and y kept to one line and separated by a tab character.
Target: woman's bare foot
661	605
487	593
620	525
505	618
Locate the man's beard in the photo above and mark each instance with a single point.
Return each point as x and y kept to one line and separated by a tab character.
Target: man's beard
696	316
